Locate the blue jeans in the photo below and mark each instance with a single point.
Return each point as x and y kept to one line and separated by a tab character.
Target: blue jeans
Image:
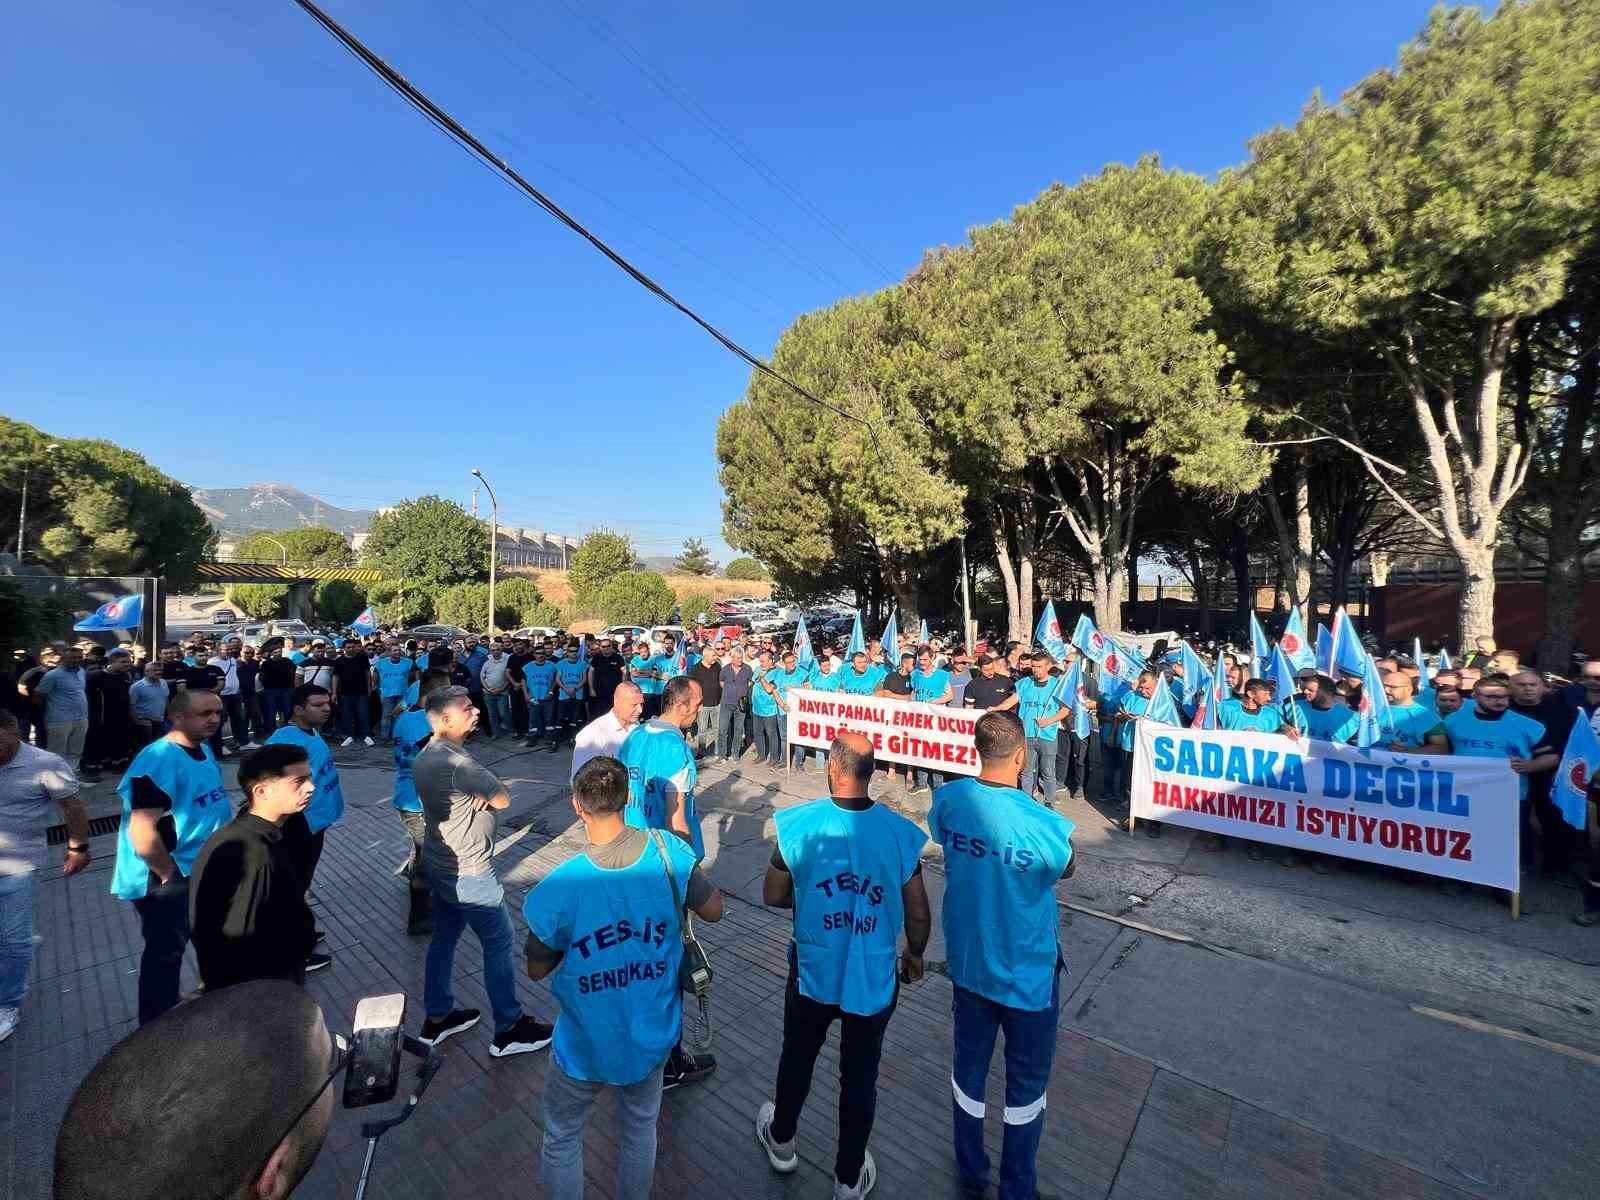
498	705
1030	1051
541	715
16	937
769	745
276	703
386	707
567	1102
477	901
1040	767
353	721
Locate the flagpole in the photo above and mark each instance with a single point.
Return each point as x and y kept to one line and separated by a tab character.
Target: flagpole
494	537
969	635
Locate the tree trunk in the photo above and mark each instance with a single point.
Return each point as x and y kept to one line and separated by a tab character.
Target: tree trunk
1244	591
1477	596
1008	579
1202	593
1379	562
1293	531
1107	582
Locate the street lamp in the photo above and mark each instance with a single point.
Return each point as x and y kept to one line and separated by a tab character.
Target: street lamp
22	513
282	549
494	539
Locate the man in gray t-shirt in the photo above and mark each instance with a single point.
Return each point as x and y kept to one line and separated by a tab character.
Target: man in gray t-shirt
459	799
32	782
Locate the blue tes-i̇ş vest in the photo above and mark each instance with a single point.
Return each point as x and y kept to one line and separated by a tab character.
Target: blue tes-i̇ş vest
199	808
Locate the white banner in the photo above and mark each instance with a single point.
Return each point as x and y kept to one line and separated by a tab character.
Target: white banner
1440	814
902	731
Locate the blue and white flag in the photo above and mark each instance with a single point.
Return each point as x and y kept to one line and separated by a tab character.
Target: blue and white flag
1260	646
1349	655
1072	692
1115	660
1570	789
1047	634
1295	646
1196	676
804	657
858	642
1163	708
366	623
1422	663
922	633
1376	721
891	641
1215	692
1444	660
1324	663
125	612
583	648
1281	674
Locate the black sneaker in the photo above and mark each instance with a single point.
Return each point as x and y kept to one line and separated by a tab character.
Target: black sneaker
683	1067
526	1036
459	1021
322	935
316	962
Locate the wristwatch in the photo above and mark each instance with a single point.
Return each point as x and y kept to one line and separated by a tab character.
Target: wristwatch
71	849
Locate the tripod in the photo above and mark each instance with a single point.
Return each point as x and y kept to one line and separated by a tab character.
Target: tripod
432	1059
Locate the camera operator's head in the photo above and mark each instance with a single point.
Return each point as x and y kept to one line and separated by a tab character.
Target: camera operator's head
200	1102
600	793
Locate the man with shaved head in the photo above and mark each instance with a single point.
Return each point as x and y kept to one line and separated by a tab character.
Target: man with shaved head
852	872
1412	726
243	1072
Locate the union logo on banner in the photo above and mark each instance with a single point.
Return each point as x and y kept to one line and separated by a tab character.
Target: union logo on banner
1113	664
1290	642
1097	641
1055	629
1579	775
113	609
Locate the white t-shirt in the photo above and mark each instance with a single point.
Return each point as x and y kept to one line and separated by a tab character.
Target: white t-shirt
603	735
30	784
229	667
493	675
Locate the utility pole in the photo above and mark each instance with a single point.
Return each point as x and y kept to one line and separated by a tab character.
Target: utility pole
970	635
22	512
494	536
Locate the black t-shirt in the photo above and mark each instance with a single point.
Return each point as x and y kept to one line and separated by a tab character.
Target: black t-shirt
984	692
607	670
352	672
176	671
515	664
709	677
204	678
896	684
247	675
277	673
247	906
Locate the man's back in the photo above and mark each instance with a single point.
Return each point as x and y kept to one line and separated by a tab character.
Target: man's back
460	837
247	907
1003	854
659	762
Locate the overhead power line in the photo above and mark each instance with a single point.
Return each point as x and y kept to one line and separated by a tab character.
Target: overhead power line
464	138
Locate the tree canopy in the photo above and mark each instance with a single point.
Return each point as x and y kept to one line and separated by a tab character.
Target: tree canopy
97	509
599	559
696	559
302	544
430	542
745	567
637	598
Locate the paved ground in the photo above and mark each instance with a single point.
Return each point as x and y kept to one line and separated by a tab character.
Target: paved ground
1229	1028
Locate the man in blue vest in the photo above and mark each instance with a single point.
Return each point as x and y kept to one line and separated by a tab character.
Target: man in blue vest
172	801
309	709
538	685
412	732
1003	854
852	872
621	1007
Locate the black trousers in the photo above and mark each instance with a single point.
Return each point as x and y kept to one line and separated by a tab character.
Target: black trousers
805	1028
164	921
1072	761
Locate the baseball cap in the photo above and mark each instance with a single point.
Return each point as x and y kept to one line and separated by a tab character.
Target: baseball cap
118	652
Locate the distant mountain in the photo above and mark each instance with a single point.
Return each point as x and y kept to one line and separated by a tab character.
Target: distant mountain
268	506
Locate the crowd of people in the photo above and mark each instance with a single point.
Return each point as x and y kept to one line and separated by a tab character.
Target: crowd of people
234	876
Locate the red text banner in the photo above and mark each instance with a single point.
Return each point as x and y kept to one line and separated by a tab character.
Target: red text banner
1440	814
902	731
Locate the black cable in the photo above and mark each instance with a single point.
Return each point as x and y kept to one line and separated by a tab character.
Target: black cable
448	124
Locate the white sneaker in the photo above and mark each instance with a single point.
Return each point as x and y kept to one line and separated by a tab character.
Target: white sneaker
780	1154
869	1177
349	741
8	1022
369	741
251	746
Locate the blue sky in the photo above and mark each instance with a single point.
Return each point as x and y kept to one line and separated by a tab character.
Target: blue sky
228	247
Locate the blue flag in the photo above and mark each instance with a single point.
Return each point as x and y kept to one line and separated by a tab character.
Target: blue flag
858	642
1260	647
1422	663
1349	655
1295	646
1163	708
1210	698
1115	660
891	642
583	648
1196	677
1444	660
1570	788
804	658
1084	634
680	661
1047	634
125	612
922	633
1324	663
1281	675
366	623
1374	711
1071	692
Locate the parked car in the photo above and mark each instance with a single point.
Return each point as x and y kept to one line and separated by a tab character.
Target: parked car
434	632
657	632
223	616
533	632
624	633
257	633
